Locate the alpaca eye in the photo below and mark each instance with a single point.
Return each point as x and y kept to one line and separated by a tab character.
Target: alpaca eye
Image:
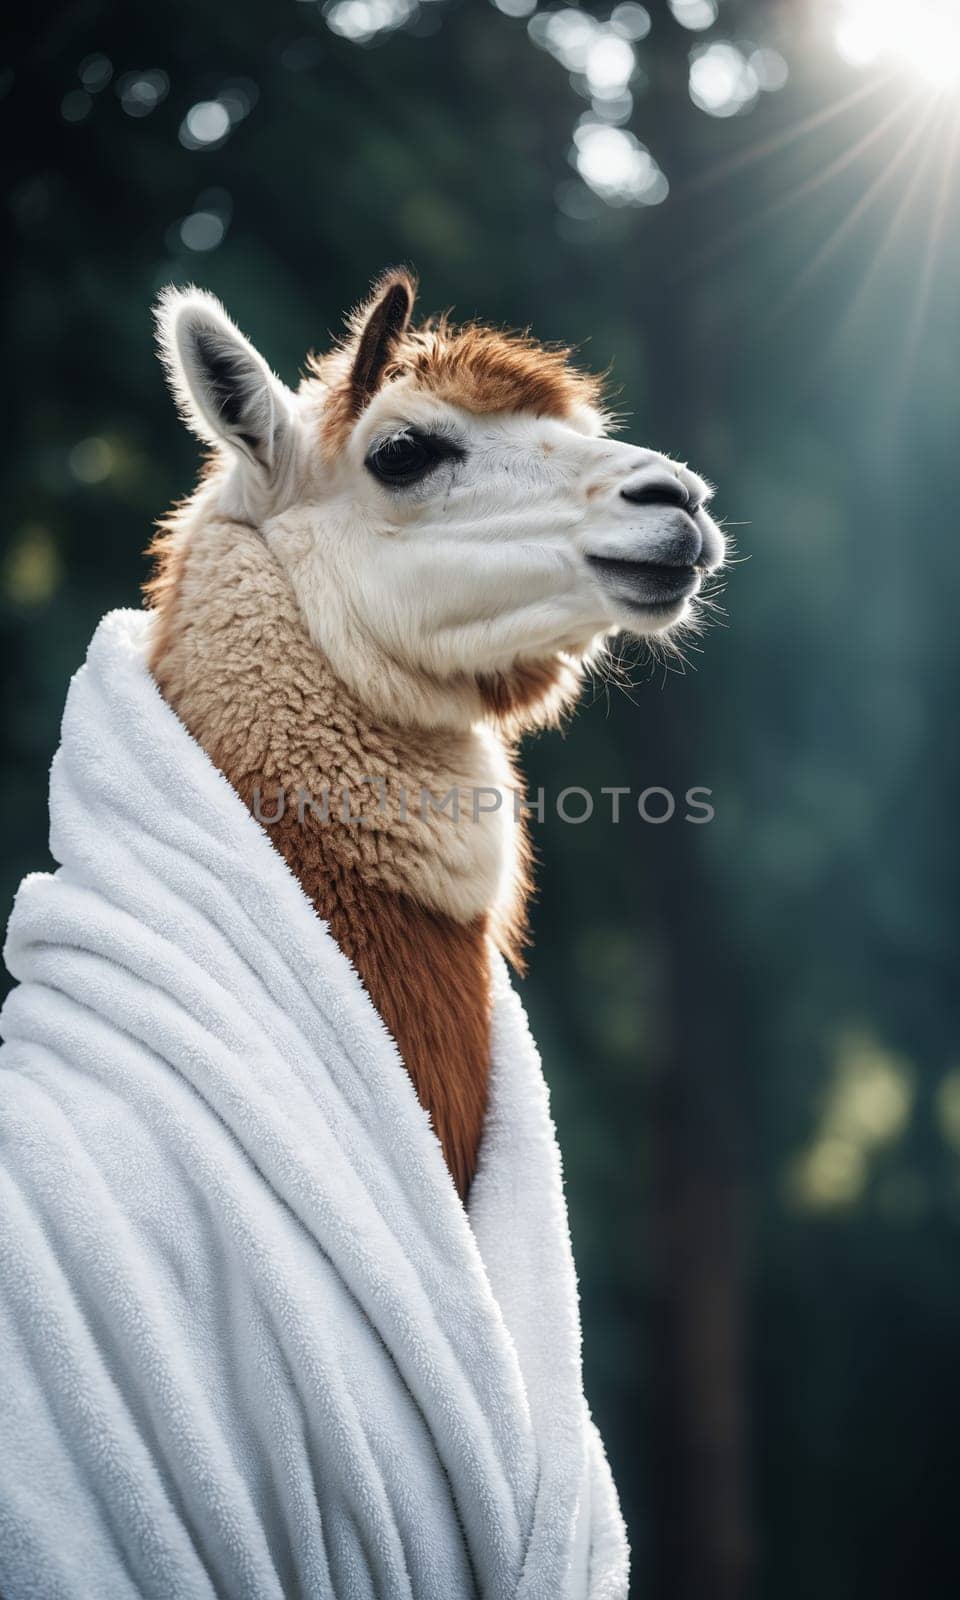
405	458
400	460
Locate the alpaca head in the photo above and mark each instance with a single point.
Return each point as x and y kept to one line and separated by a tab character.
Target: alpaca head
458	530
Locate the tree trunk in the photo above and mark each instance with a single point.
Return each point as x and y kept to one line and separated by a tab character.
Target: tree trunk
702	1542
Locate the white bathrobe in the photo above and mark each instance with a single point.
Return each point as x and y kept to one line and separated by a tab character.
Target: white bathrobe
252	1345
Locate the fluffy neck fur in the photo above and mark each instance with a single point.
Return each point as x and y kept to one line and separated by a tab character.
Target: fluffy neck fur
411	893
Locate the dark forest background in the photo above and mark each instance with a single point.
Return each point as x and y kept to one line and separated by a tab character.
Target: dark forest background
750	1028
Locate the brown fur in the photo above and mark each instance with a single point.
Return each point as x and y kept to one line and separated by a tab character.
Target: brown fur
479	368
428	977
231	656
531	693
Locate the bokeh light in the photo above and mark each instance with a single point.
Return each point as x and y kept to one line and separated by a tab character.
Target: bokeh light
695	14
76	105
141	92
567	35
362	20
770	68
91	460
205	126
202	230
867	1107
948	1107
32	569
205	226
616	166
630	21
238	96
95	72
609	66
602	63
516	8
722	80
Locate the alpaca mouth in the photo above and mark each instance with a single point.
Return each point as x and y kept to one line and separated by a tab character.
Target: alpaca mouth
644	585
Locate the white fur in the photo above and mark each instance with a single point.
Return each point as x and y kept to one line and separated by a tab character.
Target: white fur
481	567
262	442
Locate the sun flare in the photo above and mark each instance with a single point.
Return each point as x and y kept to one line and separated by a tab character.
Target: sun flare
923	40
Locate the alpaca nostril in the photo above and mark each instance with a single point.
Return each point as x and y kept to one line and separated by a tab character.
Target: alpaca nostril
660	491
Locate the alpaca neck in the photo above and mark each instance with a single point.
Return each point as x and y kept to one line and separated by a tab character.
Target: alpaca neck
410	879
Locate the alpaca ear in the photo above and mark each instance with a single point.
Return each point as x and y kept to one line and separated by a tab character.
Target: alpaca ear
379	326
224	389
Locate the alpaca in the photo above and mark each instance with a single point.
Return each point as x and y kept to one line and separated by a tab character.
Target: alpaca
287	1297
381	581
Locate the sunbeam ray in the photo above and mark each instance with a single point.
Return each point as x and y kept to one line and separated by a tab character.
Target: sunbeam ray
780	141
840	234
892	233
935	234
810	185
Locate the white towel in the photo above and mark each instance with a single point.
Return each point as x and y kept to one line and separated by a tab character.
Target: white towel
251	1343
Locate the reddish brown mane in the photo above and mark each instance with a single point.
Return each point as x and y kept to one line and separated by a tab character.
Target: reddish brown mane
479	368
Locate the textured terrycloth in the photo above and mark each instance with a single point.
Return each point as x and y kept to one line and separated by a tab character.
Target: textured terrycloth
251	1343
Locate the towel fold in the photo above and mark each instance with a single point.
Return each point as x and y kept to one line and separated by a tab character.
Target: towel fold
251	1343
